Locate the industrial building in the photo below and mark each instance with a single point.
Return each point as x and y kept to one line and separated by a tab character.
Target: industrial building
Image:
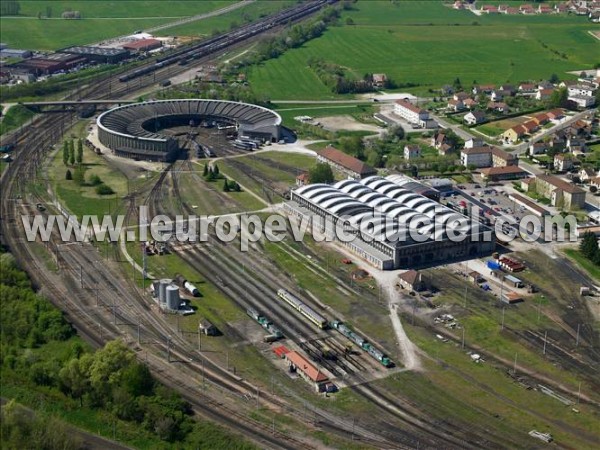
390	225
134	131
49	64
100	55
348	165
142	45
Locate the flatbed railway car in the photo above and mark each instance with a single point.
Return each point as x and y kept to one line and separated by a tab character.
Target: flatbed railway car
303	309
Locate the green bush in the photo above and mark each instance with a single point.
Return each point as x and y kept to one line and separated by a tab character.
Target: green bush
103	189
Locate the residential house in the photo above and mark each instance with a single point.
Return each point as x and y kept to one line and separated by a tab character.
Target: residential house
560	192
476	156
483	89
586	174
508	89
458	5
349	165
474	117
411	113
556	114
445	149
411	280
558	142
455	105
474	142
544	85
531	126
470	103
541	119
496	95
438	139
544	9
489	9
512	10
544	94
537	148
502	173
501	158
498	107
379	79
527	88
576	144
514	134
302	179
461	96
527	9
563	162
412	151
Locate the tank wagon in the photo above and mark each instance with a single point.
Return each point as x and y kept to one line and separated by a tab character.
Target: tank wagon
362	343
302	308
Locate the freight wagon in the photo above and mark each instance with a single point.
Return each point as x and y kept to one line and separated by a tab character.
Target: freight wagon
362	343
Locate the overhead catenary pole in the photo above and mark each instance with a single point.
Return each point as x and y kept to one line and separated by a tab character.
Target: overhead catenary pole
515	365
503	311
545	341
577	338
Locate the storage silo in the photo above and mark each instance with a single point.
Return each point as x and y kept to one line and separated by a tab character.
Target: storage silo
172	296
162	290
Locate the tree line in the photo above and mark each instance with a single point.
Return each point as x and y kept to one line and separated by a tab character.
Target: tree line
39	352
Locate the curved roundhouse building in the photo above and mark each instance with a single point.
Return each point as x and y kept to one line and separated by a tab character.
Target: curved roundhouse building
390	225
134	131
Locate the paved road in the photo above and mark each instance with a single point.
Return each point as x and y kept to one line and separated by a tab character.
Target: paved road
465	135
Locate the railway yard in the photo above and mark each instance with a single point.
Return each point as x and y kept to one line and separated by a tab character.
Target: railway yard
296	344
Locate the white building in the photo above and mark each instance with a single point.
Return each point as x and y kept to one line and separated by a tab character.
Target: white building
474	142
477	156
583	95
411	113
474	117
412	151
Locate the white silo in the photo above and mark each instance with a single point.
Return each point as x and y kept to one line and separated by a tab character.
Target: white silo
162	290
172	295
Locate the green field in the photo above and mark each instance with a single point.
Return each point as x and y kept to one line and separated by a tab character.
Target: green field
101	20
429	44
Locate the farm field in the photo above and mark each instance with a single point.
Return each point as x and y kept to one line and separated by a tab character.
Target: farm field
430	44
103	20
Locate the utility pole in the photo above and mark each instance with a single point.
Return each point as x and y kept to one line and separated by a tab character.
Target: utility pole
539	309
545	340
466	287
138	331
169	348
227	360
257	397
199	338
577	339
515	365
203	376
463	338
81	275
579	393
503	311
114	311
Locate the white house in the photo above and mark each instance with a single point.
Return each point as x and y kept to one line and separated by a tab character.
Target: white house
586	174
411	113
412	151
476	156
474	117
563	162
473	142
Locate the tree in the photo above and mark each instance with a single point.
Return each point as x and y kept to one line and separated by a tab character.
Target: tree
68	175
589	245
48	11
559	98
321	173
225	186
9	8
554	79
353	145
205	172
216	171
73	377
79	151
65	153
95	180
103	189
349	21
471	167
71	153
79	176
